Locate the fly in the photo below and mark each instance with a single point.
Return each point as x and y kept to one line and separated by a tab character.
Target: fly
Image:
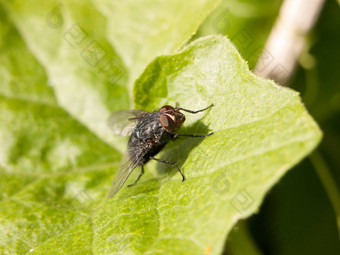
149	133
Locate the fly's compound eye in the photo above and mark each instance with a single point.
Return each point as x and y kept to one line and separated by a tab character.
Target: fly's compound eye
166	108
168	122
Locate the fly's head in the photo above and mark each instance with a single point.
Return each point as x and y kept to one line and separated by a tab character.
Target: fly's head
171	118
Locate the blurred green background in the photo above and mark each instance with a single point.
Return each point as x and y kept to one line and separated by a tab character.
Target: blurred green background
297	216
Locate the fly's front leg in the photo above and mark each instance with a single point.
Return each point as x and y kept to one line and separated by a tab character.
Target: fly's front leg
194	112
175	136
193	136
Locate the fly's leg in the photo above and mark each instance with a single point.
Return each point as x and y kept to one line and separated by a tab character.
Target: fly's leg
194	112
193	136
170	163
141	173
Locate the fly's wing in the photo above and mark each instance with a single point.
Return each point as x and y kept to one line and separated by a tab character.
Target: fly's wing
124	122
126	167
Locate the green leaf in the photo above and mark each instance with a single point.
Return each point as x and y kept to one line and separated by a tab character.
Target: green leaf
56	166
261	130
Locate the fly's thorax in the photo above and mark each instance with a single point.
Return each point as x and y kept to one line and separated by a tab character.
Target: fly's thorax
148	127
171	118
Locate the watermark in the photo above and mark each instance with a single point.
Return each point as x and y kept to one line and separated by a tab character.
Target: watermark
113	69
81	200
243	39
249	47
54	18
263	57
242	201
280	73
75	36
93	53
221	183
221	21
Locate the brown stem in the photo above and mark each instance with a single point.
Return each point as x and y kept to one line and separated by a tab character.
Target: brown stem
287	39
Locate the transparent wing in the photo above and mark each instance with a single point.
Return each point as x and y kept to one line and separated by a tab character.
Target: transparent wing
127	165
124	122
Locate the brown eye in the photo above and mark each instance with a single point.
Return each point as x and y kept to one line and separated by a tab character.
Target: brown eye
166	108
167	122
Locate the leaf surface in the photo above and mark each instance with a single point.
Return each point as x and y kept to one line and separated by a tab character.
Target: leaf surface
261	130
56	165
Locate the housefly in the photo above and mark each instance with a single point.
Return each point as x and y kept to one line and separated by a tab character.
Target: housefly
149	133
